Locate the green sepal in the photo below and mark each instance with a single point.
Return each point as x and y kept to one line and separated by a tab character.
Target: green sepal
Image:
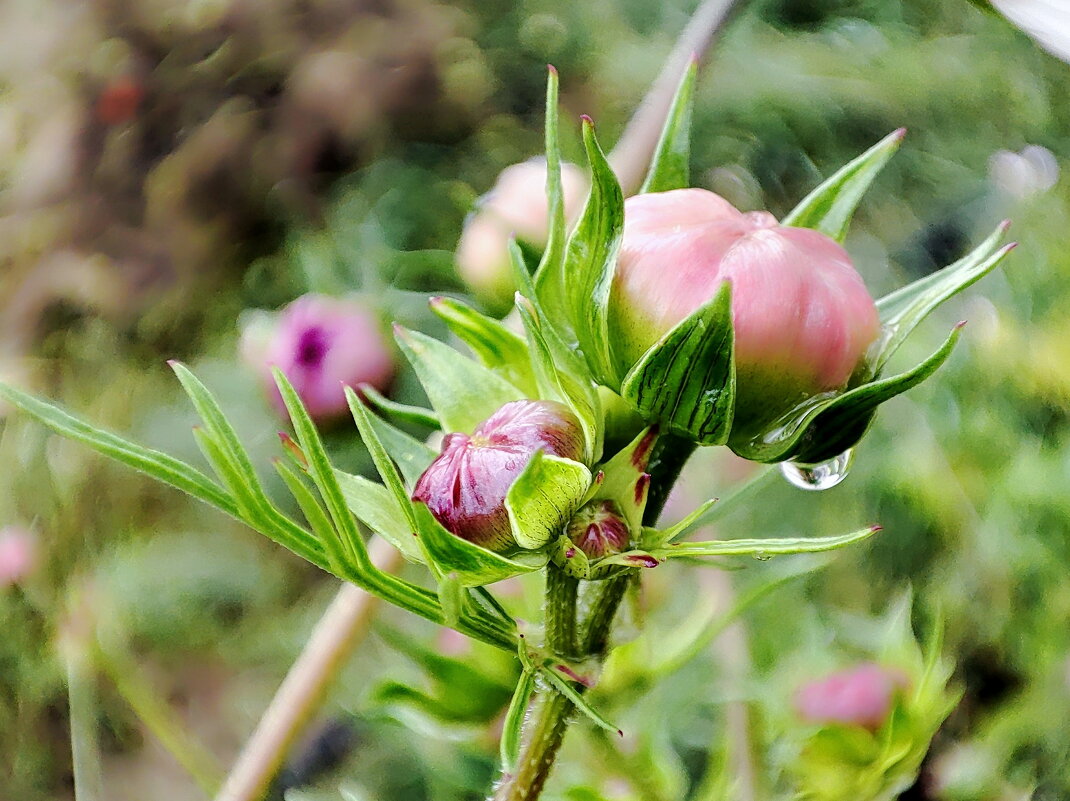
625	480
825	427
901	311
831	205
670	167
686	382
377	508
513	725
474	565
462	392
543	497
590	261
414	415
410	455
492	343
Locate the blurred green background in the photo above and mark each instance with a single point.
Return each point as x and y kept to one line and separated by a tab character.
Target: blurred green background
167	165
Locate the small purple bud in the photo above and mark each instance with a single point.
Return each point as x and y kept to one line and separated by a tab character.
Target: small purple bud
599	529
465	487
320	343
859	696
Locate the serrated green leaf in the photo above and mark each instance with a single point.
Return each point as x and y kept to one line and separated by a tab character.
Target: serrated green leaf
625	480
462	392
492	343
826	427
415	415
377	508
902	310
590	261
543	497
513	726
763	547
831	205
670	166
565	687
686	382
474	566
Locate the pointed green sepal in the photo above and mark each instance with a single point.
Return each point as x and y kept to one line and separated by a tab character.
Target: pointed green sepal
401	412
625	480
686	382
670	167
563	684
475	566
831	205
543	498
377	508
513	725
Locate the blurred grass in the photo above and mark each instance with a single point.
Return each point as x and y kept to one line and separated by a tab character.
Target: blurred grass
337	146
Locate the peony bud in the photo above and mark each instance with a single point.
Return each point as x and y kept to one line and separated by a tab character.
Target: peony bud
516	206
465	487
599	529
802	315
18	555
859	696
320	343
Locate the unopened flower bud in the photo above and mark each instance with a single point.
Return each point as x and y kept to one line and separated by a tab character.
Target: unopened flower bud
859	696
803	318
465	487
320	343
598	529
516	206
18	555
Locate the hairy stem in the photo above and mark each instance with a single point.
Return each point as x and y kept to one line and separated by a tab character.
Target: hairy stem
551	719
561	611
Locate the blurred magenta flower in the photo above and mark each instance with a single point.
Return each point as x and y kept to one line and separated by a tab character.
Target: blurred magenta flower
515	206
598	529
858	696
465	487
803	317
18	555
320	343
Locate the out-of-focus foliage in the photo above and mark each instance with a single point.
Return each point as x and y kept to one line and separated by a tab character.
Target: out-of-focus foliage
166	165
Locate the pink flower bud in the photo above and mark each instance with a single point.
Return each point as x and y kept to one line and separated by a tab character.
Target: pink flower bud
320	343
859	696
516	206
802	315
18	555
599	529
465	487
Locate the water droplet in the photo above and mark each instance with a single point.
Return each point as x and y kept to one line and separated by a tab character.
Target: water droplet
762	556
820	476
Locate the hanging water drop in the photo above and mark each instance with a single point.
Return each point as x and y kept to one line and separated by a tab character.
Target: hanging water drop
820	476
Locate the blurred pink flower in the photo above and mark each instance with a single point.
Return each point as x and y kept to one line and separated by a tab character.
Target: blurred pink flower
858	696
803	317
18	555
320	343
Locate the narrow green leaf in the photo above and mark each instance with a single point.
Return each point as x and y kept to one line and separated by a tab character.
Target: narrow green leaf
313	512
831	205
377	508
228	473
387	471
492	343
543	497
670	167
415	415
764	547
655	538
322	473
411	456
513	726
826	427
565	687
902	310
159	465
462	392
550	276
591	258
474	566
687	381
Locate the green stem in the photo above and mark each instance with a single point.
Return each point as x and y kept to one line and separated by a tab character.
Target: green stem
551	720
561	611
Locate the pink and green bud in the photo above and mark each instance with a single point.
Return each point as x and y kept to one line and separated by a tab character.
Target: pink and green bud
598	529
466	486
514	207
860	696
320	343
18	555
802	315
